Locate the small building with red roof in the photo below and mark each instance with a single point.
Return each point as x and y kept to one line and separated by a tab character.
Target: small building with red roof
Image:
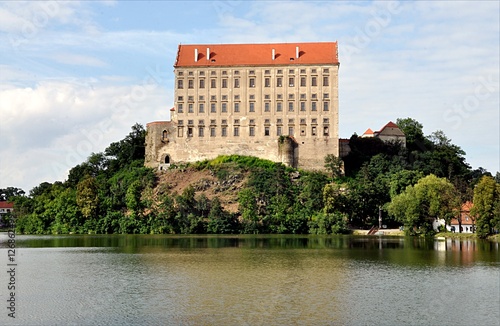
466	222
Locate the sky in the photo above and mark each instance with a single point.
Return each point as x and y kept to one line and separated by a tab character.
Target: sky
75	76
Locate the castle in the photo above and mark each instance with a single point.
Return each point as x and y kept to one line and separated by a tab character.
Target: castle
274	101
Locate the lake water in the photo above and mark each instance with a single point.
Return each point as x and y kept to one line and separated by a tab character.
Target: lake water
251	280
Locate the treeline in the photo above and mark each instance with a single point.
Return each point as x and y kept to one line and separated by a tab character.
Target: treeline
112	192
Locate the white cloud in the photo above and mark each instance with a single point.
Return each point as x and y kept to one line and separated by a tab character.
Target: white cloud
78	59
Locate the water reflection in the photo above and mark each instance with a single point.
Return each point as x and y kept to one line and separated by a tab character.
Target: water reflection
255	280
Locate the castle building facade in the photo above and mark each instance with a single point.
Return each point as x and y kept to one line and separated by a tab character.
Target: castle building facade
274	101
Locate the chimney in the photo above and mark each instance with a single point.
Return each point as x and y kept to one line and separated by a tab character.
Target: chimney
208	54
195	55
297	52
274	54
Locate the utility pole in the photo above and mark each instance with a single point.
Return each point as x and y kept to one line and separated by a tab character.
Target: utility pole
379	217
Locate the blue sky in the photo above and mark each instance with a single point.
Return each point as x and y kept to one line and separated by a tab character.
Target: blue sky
75	76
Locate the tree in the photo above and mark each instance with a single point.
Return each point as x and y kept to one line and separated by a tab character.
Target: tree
87	198
418	206
413	130
10	192
334	165
486	206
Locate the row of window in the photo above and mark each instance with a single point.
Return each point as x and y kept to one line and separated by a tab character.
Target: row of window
252	72
236	107
279	121
224	82
213	98
251	131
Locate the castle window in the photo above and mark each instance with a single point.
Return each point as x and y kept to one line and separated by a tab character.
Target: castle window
213	83
291	81
267	97
236	83
236	121
279	82
236	131
251	82
302	81
213	73
180	98
290	96
251	72
279	131
202	83
314	81
224	131
180	122
313	71
190	108
224	83
267	107
180	73
236	72
224	121
213	98
302	71
326	95
267	121
201	131
236	97
180	131
326	131
314	96
267	82
290	106
252	131
201	122
325	106
291	121
279	121
212	108
224	107
279	106
190	132
326	71
313	130
302	106
252	107
290	131
266	131
302	96
252	122
190	73
267	72
202	73
201	98
212	131
302	121
326	120
279	96
313	106
314	120
164	134
190	83
190	98
279	72
190	122
167	159
180	108
180	84
224	97
224	72
201	108
252	97
325	81
303	131
212	121
291	71
236	107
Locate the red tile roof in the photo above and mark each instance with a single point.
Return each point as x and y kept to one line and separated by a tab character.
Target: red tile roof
368	132
6	204
466	218
390	124
257	54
